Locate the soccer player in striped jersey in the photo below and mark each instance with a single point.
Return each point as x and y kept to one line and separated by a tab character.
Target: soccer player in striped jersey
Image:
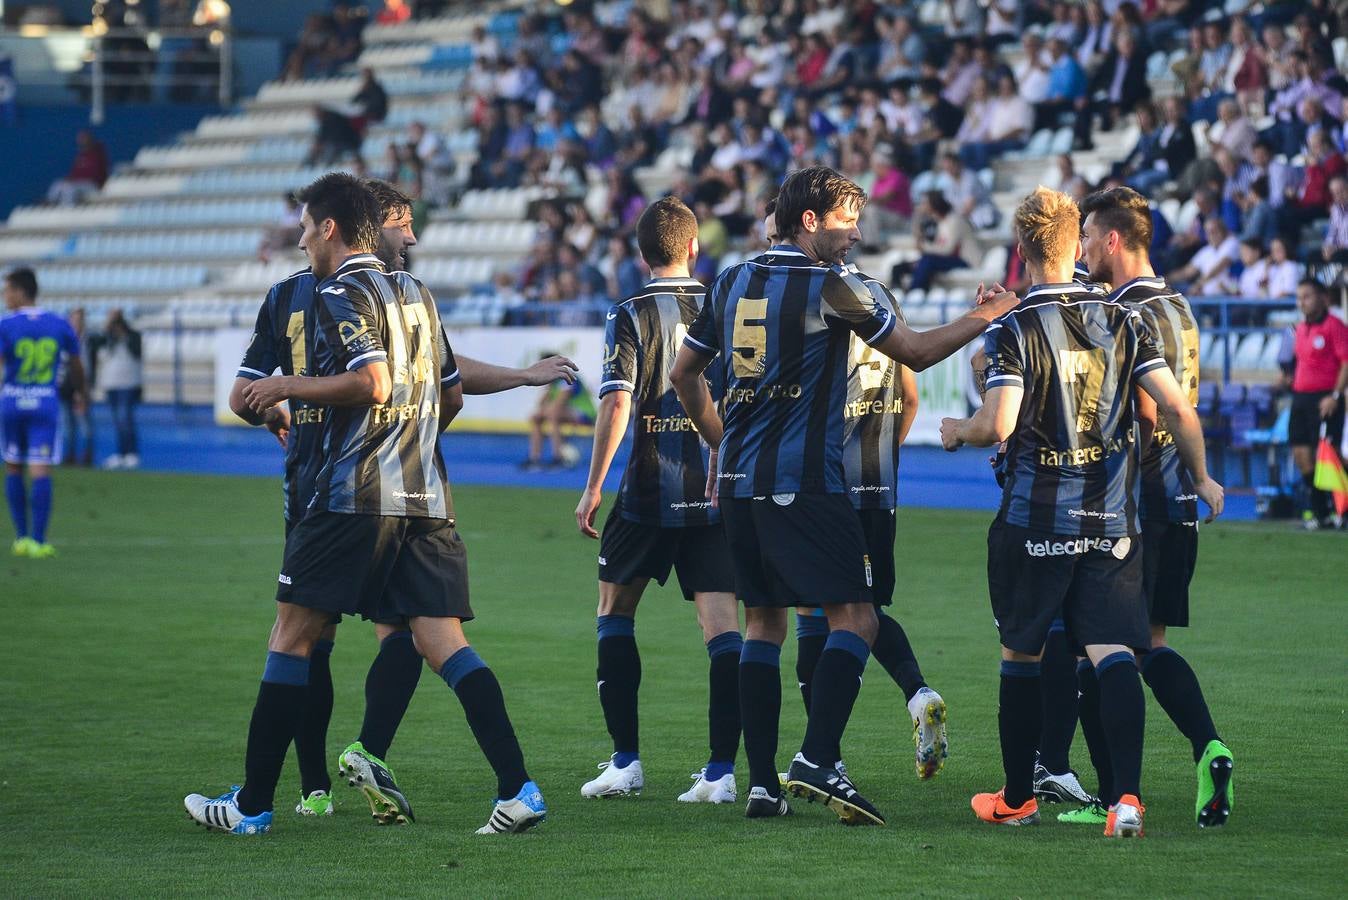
1062	369
881	407
1116	236
662	519
781	326
36	347
284	321
378	535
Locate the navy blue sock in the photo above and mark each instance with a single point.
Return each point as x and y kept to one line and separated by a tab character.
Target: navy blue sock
17	495
723	703
619	677
1093	730
389	686
761	709
1018	724
280	700
837	679
484	706
1058	687
1175	686
895	654
1123	712
811	635
41	508
311	737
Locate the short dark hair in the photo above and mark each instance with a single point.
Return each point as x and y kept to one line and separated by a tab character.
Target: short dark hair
938	203
816	188
664	230
349	203
1259	187
25	280
1124	210
1254	244
390	199
1308	281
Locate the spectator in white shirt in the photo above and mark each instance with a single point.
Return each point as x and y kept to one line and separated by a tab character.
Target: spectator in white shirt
1208	274
1253	281
1284	274
1232	130
1032	71
1008	119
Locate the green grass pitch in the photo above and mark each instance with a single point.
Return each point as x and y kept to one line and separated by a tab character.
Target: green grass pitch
129	665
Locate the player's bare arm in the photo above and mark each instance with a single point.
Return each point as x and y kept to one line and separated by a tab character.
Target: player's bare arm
238	403
451	402
277	420
1160	383
368	385
993	423
1145	410
695	395
485	378
908	380
610	425
920	350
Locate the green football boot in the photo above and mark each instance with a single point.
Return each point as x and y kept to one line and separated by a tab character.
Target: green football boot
1216	793
363	770
318	803
1090	814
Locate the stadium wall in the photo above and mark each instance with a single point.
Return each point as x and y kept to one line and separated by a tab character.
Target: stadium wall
40	148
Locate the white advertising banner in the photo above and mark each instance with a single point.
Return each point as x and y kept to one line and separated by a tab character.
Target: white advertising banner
942	389
514	347
230	343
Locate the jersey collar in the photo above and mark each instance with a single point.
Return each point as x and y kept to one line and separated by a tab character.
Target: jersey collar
1055	293
1152	281
674	281
358	261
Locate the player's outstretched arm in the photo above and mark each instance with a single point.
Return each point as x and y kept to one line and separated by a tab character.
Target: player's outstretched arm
485	378
610	425
695	395
1160	383
922	349
368	385
993	423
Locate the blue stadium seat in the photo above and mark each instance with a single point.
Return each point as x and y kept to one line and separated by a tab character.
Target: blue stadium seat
1207	398
1230	397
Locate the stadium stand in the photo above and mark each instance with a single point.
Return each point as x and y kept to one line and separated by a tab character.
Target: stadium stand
525	127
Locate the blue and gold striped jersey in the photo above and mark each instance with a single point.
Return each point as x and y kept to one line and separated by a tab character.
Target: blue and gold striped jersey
665	482
1167	487
280	341
1071	465
385	459
781	325
871	417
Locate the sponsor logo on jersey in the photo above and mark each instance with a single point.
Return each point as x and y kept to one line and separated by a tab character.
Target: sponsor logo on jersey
1078	546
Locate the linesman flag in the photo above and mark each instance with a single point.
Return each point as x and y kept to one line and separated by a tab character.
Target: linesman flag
1330	475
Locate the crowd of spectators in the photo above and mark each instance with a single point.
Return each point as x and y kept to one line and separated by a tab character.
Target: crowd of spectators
724	98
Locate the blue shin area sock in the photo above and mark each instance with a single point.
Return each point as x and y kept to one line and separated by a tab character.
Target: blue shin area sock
41	508
618	674
723	702
17	495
